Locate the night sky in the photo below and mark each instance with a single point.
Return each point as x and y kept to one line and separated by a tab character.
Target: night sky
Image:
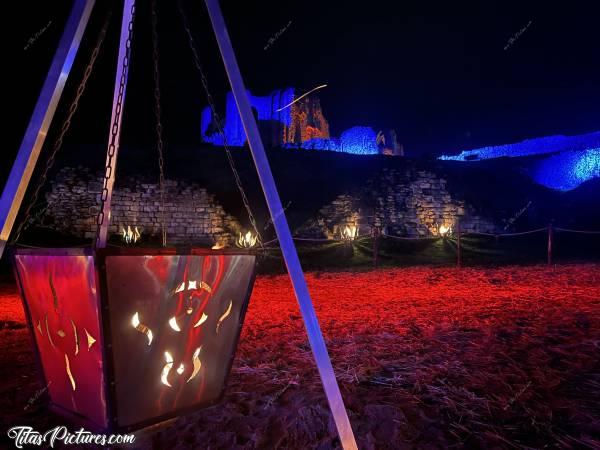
437	72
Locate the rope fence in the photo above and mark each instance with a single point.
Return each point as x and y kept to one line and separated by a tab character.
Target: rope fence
455	239
577	231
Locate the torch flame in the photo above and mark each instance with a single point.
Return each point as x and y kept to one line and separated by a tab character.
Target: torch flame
247	240
444	230
130	236
349	232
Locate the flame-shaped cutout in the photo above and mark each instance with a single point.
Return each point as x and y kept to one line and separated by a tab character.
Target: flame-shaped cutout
39	327
166	369
193	285
48	333
54	296
90	339
68	367
197	364
61	333
76	337
224	316
173	324
180	369
201	320
135	321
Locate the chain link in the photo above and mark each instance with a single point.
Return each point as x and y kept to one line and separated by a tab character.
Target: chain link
112	147
158	114
27	220
211	102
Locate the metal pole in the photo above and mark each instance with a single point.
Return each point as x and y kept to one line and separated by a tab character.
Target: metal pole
332	391
43	113
458	255
118	112
550	236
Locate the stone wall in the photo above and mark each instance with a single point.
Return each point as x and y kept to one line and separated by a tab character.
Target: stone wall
192	215
410	203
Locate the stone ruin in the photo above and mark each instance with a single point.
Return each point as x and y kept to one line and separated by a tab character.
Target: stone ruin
192	214
300	125
409	203
400	202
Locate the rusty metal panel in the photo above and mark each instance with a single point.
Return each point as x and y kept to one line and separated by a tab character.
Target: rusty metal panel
61	299
174	322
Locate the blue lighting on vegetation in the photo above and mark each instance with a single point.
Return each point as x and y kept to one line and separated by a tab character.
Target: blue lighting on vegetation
568	170
359	141
355	140
571	160
331	144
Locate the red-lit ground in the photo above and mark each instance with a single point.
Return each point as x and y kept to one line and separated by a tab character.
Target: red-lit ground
426	358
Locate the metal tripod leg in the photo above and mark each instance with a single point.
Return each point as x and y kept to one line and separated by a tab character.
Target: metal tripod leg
116	118
43	113
332	391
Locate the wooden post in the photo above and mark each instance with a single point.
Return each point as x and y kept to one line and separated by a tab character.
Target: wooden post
458	255
550	239
376	238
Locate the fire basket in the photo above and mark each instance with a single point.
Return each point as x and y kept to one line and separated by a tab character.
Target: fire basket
128	337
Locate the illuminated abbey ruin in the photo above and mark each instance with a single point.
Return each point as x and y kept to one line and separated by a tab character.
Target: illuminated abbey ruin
284	122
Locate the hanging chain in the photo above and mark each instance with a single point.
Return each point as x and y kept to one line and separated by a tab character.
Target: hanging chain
217	119
27	218
112	148
157	114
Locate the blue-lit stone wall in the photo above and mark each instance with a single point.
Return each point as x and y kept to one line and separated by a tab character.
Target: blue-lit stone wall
571	160
357	140
529	147
266	109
